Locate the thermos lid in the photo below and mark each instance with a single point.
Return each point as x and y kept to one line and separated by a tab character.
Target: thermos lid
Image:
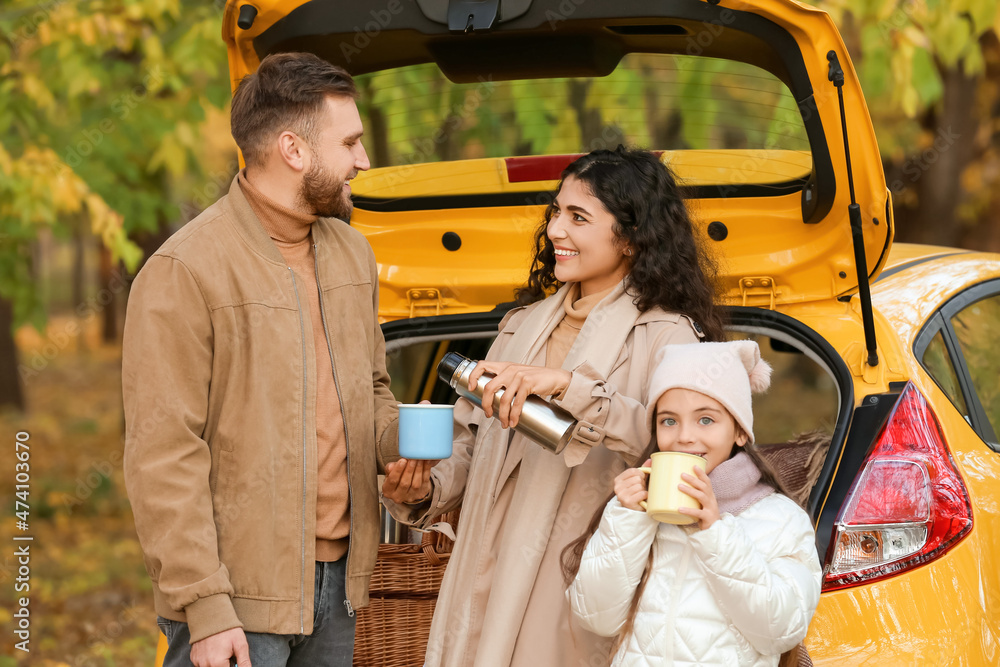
449	364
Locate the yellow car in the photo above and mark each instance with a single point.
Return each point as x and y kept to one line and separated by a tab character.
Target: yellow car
885	405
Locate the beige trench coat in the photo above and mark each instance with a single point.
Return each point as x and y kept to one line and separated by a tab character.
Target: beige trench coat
502	601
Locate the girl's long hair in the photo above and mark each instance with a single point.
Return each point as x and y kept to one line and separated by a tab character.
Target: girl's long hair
572	554
667	267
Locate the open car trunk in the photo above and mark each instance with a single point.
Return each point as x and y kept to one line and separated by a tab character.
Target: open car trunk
800	423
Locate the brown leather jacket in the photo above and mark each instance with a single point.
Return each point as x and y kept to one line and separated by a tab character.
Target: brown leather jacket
218	379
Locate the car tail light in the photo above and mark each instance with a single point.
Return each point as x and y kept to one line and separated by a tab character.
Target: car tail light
907	507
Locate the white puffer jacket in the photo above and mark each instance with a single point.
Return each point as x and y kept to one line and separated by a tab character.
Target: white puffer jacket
740	593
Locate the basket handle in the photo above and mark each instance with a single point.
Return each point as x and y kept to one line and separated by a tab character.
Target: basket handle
427	540
427	545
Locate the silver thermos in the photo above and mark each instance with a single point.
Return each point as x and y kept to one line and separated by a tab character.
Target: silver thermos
546	424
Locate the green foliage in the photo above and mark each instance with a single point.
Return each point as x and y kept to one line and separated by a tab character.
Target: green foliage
904	48
100	106
717	103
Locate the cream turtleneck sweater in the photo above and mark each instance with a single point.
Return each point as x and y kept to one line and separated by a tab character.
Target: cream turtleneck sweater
291	232
577	309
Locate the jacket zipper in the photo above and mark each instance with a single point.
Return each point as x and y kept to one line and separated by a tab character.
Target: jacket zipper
302	571
347	439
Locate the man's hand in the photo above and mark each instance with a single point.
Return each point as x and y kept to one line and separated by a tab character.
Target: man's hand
408	482
216	650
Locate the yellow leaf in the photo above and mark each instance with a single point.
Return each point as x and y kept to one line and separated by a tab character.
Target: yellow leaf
184	134
973	61
87	33
170	156
153	48
37	91
6	163
101	23
910	101
973	177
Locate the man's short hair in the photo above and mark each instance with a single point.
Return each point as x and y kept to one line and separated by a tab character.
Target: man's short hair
287	92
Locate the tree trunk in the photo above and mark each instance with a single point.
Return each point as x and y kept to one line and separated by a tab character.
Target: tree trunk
79	262
936	172
78	276
379	129
11	391
107	298
589	120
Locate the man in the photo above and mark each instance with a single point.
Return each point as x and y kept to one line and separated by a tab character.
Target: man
257	402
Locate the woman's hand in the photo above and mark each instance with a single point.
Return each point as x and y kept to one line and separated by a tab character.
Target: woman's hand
408	482
518	381
630	487
699	487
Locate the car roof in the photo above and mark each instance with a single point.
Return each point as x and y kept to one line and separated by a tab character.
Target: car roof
919	279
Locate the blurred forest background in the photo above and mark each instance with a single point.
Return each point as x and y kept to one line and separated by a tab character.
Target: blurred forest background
114	132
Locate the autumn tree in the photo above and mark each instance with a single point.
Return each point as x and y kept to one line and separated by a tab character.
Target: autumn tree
101	109
931	75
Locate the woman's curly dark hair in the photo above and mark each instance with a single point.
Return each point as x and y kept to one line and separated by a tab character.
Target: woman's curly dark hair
667	269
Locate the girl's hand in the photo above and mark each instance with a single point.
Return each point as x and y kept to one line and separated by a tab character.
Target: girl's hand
630	488
700	488
408	482
518	382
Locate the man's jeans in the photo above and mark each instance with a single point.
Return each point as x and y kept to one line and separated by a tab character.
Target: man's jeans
331	643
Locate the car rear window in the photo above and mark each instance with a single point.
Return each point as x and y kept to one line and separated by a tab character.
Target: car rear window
715	111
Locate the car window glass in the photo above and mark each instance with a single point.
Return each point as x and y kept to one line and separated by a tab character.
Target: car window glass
976	329
412	366
794	420
722	110
938	363
408	366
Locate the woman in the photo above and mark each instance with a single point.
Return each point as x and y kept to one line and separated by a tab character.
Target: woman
618	243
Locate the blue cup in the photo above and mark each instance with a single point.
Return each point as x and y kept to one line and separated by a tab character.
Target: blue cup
425	431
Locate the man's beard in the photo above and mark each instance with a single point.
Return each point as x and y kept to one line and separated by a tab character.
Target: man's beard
324	195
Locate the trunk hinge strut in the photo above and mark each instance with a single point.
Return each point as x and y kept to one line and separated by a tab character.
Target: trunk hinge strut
758	291
836	75
423	300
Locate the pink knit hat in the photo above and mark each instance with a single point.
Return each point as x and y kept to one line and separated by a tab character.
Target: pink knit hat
727	372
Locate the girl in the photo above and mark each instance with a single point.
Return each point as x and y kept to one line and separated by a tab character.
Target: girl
619	246
739	586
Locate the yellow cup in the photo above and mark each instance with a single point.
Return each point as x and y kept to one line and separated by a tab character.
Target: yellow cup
665	499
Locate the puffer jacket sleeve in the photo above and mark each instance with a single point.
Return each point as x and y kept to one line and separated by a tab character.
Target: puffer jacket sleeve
611	568
763	570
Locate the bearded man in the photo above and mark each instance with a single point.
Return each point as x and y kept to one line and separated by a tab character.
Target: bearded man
257	404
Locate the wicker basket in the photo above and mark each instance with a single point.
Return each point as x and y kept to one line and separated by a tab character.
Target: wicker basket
392	630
